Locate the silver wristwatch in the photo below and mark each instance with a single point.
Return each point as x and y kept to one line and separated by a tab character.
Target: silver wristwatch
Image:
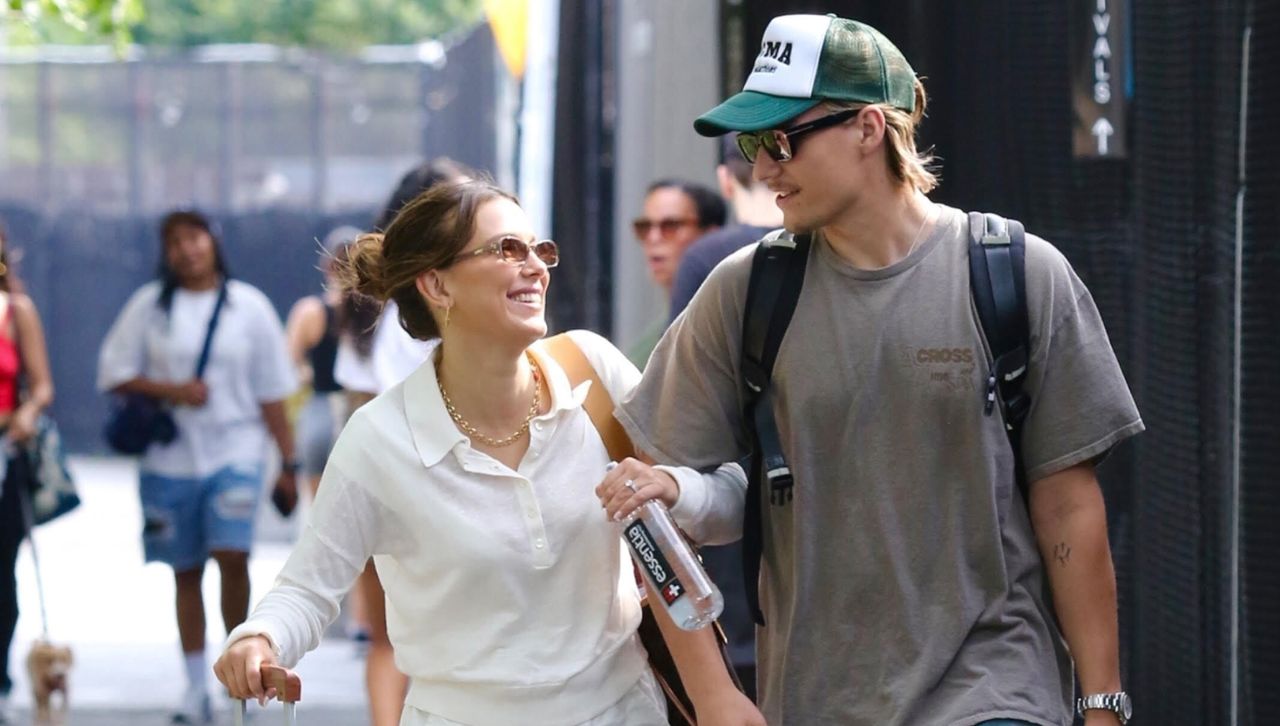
1118	703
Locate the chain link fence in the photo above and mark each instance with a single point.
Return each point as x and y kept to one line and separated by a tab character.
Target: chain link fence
278	145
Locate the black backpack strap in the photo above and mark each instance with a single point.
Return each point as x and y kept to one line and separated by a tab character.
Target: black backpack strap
997	279
208	334
777	275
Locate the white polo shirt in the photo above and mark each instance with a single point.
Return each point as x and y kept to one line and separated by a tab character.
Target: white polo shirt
510	597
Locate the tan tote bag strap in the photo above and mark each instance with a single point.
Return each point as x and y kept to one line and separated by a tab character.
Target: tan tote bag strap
599	404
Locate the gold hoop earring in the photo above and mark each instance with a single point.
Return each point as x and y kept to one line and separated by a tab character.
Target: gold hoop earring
4	269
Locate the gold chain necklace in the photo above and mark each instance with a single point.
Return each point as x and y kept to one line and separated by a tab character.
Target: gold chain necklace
474	433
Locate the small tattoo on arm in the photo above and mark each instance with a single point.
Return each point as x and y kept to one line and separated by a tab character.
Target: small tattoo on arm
1062	553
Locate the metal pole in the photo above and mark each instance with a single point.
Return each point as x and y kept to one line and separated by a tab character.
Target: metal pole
425	130
594	176
507	102
319	152
538	114
135	111
44	130
1237	350
229	112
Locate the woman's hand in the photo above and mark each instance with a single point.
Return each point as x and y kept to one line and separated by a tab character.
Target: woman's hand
730	707
22	425
240	668
631	483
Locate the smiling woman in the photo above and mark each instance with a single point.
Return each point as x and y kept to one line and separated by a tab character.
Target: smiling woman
472	485
428	234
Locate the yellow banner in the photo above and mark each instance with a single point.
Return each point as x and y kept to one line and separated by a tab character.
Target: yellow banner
509	21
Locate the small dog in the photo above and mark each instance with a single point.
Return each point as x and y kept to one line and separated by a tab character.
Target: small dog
48	667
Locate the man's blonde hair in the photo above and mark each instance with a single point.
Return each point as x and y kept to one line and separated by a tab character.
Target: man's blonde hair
907	164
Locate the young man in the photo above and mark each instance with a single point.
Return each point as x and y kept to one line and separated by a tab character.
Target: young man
906	580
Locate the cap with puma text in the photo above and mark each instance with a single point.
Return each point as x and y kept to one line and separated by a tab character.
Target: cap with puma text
806	59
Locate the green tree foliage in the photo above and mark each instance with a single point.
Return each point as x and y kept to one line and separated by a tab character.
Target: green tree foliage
69	21
327	24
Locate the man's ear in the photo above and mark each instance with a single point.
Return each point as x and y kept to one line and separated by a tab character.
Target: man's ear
870	127
724	178
433	287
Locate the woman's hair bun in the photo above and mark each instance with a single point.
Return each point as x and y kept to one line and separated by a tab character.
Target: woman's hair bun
363	269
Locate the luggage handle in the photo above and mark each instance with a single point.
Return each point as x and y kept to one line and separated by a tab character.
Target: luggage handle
288	691
287	683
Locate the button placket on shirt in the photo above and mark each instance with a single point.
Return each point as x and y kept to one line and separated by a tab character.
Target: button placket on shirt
536	528
529	511
539	432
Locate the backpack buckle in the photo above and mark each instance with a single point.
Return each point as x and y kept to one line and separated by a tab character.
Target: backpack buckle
781	483
781	486
1016	409
1012	365
1016	374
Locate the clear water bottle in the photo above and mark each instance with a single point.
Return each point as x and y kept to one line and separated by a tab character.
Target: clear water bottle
671	567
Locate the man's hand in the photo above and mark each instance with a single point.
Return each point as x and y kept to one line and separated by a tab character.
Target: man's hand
1100	717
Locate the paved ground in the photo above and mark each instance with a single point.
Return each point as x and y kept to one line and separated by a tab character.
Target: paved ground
117	614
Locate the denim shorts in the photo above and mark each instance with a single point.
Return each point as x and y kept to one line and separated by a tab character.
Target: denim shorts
185	519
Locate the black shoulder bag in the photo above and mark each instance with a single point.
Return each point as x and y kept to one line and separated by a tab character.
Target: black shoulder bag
136	421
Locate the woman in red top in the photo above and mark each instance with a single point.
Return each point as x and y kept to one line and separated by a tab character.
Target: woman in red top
22	351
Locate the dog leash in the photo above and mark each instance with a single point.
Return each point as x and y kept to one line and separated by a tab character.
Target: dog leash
7	449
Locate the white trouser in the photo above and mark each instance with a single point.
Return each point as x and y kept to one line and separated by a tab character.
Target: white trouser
643	705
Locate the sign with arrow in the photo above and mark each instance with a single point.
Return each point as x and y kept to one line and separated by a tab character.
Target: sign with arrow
1099	77
1102	131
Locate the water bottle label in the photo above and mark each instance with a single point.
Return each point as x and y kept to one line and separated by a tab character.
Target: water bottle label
651	557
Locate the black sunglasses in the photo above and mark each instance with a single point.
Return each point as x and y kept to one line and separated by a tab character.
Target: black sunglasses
667	228
515	251
779	144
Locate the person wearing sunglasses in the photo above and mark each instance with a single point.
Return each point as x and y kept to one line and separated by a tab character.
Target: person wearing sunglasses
509	596
904	557
374	353
676	213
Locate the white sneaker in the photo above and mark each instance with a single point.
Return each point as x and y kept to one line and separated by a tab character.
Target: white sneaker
196	708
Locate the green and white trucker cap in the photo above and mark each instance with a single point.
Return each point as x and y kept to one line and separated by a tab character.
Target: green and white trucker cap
806	59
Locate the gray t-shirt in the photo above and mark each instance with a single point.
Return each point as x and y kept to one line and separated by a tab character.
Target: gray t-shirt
902	584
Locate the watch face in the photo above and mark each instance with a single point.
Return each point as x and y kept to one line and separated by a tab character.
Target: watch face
1126	705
